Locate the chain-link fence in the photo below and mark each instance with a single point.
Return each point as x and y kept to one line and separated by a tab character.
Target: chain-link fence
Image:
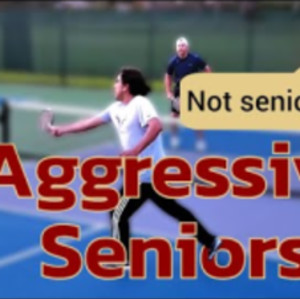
97	43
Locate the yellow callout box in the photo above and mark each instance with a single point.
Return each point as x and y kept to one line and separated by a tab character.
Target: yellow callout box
241	101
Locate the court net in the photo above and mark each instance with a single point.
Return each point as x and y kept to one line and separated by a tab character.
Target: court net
31	142
21	122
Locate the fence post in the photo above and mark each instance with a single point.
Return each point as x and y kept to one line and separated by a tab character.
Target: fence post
150	48
249	44
63	45
4	117
249	11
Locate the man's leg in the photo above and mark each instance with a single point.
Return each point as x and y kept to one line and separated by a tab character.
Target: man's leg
174	140
121	216
174	209
200	145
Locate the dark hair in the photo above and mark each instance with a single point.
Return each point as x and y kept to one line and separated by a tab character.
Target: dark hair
136	81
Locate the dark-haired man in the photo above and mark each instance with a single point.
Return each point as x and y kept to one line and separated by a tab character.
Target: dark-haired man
139	128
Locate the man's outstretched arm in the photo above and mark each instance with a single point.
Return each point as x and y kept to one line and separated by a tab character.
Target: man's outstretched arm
76	127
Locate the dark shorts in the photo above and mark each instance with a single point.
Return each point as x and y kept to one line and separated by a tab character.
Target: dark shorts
174	108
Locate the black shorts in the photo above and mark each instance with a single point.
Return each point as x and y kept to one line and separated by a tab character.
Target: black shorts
174	108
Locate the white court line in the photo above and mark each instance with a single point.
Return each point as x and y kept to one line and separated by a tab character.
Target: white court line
36	250
39	106
46	216
73	110
65	109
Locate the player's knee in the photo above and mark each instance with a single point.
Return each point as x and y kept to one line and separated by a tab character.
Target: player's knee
186	216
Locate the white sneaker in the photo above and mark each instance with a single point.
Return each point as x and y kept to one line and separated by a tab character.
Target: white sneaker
201	145
212	251
174	142
126	266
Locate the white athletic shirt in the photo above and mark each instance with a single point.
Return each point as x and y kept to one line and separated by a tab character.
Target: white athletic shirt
130	121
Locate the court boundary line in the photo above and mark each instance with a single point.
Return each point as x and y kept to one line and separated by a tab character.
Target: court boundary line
66	109
33	251
39	105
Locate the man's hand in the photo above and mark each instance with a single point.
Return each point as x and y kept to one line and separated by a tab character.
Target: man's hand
168	87
176	104
170	96
54	131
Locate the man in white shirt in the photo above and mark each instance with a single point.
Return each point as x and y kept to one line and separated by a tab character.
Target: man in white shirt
139	129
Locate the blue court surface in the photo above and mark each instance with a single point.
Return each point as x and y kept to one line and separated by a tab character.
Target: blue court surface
21	226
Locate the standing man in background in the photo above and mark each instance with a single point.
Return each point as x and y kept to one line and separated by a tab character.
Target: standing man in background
180	65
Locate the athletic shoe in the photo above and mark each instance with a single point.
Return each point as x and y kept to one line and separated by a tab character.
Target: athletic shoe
214	248
200	145
174	142
124	266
